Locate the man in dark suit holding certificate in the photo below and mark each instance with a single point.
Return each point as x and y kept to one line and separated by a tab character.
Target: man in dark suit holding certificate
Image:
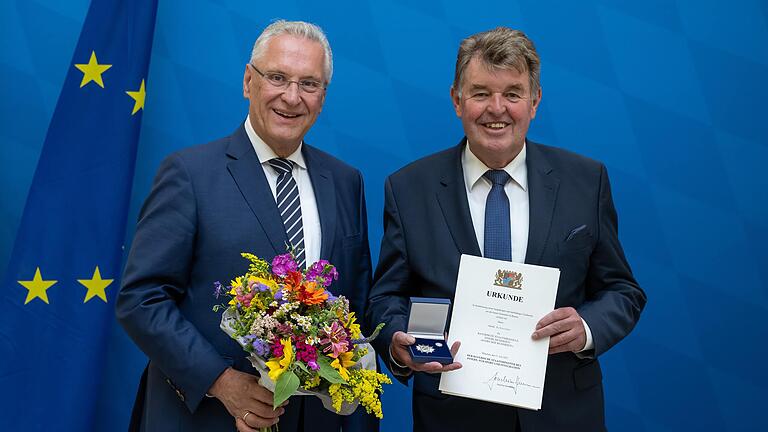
500	195
256	191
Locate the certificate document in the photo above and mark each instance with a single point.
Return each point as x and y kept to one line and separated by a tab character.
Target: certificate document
495	311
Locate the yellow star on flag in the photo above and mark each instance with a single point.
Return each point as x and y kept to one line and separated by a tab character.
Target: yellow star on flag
37	287
96	286
138	96
92	71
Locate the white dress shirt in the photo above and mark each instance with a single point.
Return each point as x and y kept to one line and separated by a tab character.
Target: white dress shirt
310	218
516	189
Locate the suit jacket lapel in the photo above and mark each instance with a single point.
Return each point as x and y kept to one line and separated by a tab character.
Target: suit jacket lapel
542	193
325	196
452	197
249	176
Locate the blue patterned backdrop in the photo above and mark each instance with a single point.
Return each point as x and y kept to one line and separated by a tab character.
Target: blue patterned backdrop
669	94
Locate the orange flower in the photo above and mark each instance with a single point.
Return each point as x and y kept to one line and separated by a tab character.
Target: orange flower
292	283
292	280
310	294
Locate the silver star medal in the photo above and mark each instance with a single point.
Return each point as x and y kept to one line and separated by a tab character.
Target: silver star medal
426	349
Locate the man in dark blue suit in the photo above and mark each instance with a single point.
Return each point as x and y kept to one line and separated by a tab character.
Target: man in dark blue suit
504	196
253	191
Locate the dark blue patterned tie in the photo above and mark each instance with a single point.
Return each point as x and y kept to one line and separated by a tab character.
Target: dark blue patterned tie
498	234
289	205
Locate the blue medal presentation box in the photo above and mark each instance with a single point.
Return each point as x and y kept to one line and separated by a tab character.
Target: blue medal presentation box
426	322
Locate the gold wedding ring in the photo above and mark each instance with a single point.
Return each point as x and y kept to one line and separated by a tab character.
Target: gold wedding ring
245	416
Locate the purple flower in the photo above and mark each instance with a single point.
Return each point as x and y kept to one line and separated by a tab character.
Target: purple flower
323	273
279	296
218	289
282	264
313	365
260	347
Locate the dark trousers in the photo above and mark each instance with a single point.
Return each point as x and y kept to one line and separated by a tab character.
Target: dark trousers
307	414
431	414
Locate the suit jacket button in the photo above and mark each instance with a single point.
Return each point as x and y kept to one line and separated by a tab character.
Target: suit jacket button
180	394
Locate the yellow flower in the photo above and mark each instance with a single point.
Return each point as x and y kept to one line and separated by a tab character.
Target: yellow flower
337	396
355	330
342	362
268	282
312	382
232	293
366	386
238	282
278	365
350	324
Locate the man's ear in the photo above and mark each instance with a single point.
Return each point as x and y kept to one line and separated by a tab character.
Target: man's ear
247	77
535	104
456	99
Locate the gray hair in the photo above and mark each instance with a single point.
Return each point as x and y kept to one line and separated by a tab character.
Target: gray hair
501	48
296	28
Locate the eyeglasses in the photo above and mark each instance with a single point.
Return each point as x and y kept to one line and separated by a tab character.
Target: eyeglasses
280	81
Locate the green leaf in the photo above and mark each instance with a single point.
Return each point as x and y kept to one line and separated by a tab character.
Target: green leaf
301	366
286	386
328	372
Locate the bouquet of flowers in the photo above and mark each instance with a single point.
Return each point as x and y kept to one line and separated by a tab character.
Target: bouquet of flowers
302	339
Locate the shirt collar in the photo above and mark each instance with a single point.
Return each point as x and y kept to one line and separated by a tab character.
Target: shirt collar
474	168
265	152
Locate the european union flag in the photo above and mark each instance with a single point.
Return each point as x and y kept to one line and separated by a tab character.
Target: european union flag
56	302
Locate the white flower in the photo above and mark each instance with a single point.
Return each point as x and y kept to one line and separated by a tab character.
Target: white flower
285	309
263	326
304	322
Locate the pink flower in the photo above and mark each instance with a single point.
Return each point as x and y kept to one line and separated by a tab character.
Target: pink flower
323	273
277	348
306	353
336	338
283	264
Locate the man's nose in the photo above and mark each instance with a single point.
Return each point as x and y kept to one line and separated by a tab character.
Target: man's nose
291	93
496	105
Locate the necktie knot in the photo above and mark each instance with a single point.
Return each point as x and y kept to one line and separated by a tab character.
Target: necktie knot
281	165
497	177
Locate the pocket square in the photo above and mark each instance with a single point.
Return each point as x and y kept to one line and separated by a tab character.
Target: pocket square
575	231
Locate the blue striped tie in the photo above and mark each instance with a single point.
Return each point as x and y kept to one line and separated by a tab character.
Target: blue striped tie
498	233
289	205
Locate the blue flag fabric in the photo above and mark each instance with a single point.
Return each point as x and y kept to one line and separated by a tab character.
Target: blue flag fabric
56	304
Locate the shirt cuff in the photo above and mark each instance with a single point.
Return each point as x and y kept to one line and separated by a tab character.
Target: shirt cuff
398	369
589	345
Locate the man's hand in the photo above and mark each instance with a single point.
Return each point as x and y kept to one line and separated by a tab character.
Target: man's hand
247	401
399	350
565	329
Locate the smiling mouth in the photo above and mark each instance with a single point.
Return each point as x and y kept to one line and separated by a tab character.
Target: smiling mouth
495	125
285	114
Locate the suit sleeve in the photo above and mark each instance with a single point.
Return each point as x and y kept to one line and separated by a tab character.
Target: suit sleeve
156	278
360	421
362	285
388	302
614	299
